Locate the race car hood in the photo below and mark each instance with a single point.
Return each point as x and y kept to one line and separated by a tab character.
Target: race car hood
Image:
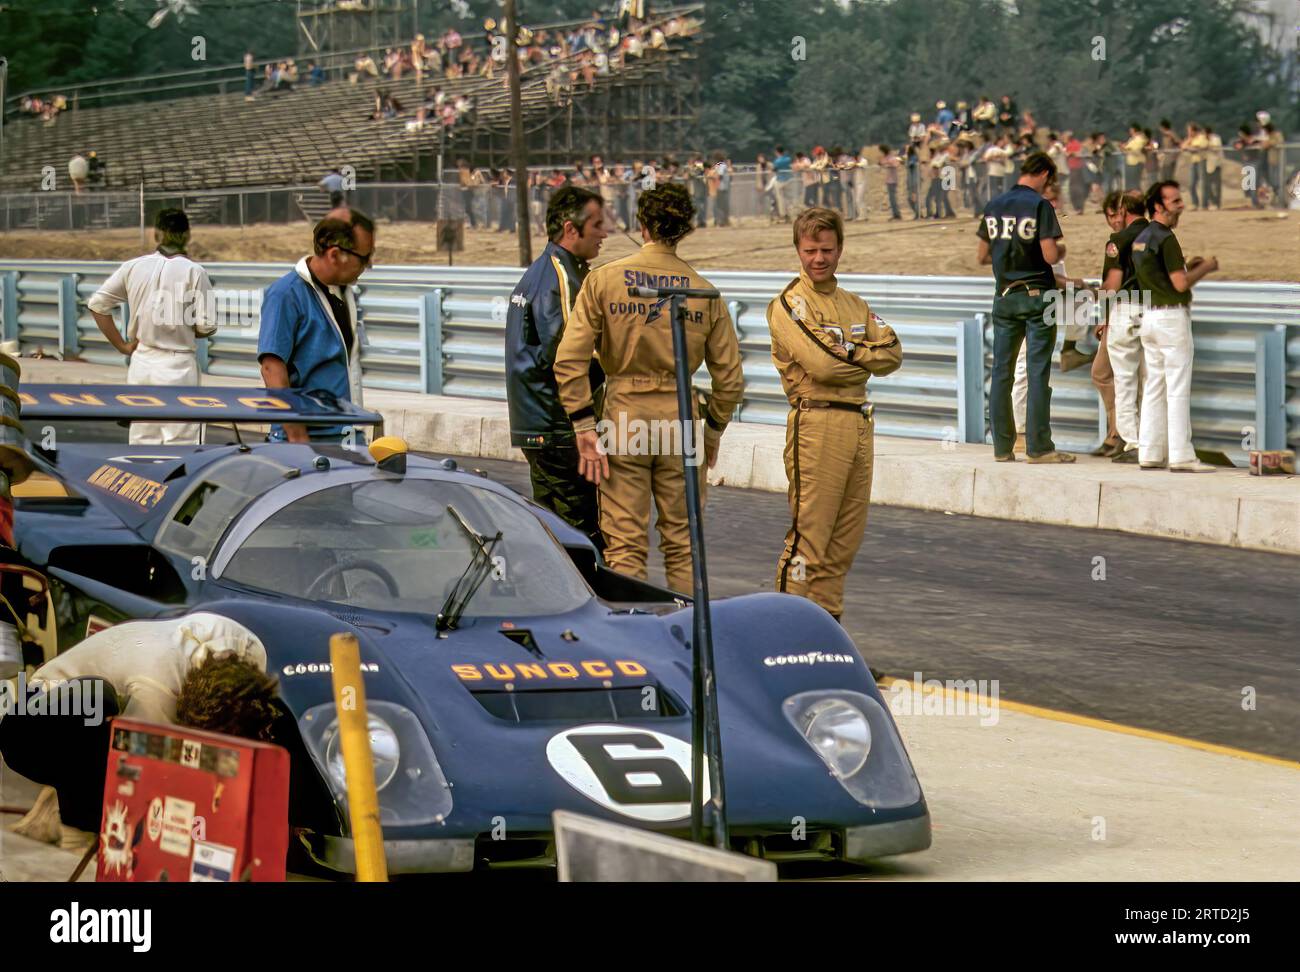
498	700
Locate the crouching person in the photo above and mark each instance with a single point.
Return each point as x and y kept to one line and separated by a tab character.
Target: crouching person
200	670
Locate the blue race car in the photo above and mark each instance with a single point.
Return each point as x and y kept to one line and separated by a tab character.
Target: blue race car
509	673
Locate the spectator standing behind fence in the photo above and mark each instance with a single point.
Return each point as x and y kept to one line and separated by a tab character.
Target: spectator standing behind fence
764	187
1008	116
1109	162
333	183
1134	156
1252	158
250	76
1194	146
806	187
699	189
622	185
889	166
913	164
168	296
1165	438
720	176
1170	148
311	337
1150	161
786	184
1274	143
1213	169
941	173
1078	173
465	178
858	179
504	189
998	157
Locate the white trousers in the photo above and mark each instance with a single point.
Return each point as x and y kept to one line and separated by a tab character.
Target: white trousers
1166	426
1124	345
860	210
154	366
1020	388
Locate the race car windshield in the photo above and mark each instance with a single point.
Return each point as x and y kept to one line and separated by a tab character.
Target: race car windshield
393	545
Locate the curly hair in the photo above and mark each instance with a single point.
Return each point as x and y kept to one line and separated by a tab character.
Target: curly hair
229	695
666	212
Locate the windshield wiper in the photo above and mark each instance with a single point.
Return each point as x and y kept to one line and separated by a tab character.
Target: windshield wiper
480	566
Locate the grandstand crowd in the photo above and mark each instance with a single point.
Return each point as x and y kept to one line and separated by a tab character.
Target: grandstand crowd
958	161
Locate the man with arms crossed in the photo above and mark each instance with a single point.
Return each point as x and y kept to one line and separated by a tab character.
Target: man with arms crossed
826	343
1165	436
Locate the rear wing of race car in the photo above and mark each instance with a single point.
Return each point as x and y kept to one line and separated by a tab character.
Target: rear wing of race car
175	403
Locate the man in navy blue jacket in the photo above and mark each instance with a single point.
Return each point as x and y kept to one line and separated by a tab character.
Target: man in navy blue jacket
539	308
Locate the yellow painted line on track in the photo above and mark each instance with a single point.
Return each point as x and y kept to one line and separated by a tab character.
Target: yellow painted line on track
1087	721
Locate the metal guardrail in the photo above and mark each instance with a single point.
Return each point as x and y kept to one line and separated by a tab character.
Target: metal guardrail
441	330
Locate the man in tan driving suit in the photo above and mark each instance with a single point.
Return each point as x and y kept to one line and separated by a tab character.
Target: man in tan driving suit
636	453
826	343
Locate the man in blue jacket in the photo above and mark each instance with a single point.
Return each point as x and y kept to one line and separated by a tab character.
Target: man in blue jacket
539	308
310	337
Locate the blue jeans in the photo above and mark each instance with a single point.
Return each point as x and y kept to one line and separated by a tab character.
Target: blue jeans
1022	316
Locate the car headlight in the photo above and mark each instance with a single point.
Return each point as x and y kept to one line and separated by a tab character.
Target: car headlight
840	734
412	787
384	748
857	740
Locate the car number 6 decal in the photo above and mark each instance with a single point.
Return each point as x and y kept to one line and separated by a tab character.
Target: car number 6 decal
638	773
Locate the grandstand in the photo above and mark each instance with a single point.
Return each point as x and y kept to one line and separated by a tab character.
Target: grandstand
183	140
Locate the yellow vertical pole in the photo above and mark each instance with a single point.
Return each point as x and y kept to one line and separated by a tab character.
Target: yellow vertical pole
358	762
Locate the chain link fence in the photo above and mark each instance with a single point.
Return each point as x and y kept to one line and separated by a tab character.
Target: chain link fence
1242	179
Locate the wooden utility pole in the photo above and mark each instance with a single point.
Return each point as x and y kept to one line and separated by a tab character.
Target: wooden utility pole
518	147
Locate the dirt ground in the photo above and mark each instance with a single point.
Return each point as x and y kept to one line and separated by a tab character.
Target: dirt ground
1250	245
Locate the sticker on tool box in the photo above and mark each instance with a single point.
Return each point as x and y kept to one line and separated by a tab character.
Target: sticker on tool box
178	825
189	753
212	862
155	819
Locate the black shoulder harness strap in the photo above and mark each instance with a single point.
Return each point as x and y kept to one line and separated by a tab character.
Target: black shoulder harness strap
804	327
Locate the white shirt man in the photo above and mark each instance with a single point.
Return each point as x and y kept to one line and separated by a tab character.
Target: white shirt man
147	662
168	296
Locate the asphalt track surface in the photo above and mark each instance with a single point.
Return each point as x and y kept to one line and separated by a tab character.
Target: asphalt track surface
1176	638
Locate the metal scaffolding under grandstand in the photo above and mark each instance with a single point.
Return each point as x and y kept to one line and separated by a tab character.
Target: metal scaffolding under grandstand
648	107
347	25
